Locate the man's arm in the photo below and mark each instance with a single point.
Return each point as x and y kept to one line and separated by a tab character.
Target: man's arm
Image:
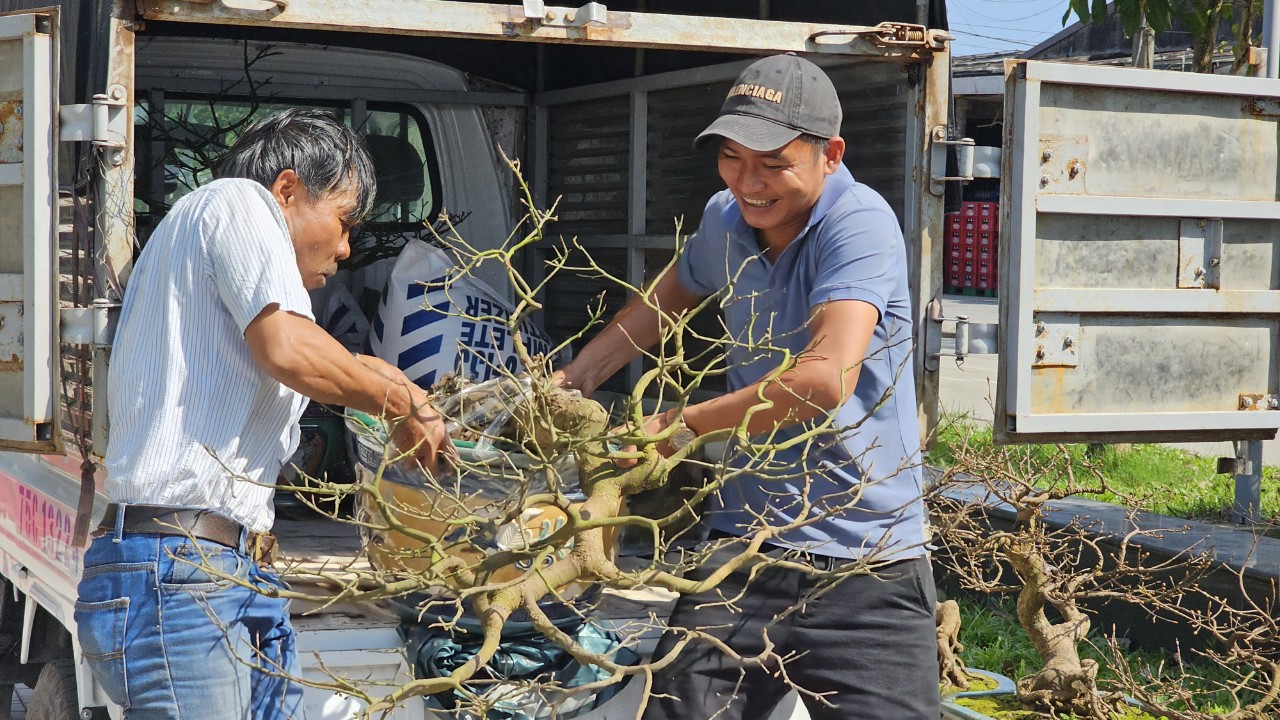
822	378
302	356
635	328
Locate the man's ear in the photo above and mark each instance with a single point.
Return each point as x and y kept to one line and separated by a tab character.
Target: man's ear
835	154
287	189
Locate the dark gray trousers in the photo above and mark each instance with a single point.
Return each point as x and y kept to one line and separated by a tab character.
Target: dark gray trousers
867	645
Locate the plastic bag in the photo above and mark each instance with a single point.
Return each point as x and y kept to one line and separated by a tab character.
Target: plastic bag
433	321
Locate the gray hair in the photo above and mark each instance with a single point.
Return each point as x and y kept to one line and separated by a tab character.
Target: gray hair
327	156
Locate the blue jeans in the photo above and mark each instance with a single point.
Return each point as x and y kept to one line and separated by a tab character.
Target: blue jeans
167	639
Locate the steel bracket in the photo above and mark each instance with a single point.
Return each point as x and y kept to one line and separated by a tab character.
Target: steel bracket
103	122
1200	254
1258	401
90	325
1057	343
938	177
970	338
536	11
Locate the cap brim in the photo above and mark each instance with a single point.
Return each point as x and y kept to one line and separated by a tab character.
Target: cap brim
752	132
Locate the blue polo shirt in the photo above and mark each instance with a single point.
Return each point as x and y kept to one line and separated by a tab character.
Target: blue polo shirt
851	249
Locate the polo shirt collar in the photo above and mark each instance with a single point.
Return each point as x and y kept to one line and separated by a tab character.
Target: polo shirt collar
835	186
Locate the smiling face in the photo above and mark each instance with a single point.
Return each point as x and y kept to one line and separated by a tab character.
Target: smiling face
320	227
777	189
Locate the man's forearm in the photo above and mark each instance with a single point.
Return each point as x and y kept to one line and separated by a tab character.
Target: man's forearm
811	389
635	328
303	357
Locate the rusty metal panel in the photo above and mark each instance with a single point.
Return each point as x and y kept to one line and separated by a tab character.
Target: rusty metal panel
493	21
28	308
1140	266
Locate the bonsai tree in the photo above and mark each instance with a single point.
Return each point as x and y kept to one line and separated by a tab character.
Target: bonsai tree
1053	572
467	561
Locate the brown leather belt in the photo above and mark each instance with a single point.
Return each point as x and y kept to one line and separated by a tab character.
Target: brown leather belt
199	524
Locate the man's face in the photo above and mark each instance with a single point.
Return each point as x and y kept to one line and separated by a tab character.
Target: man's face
320	227
777	189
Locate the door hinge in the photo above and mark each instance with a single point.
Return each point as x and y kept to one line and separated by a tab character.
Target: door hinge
938	145
970	338
94	325
103	122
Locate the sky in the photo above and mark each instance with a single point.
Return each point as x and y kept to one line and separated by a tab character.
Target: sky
983	26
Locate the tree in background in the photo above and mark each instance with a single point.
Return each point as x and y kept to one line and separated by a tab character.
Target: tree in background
1142	19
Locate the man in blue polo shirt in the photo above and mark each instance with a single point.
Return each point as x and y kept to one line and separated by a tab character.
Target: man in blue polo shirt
811	268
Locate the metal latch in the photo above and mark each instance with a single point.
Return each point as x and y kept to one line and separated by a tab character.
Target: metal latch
537	11
94	325
892	35
104	122
970	338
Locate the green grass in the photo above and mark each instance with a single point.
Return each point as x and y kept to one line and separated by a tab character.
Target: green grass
994	641
1158	478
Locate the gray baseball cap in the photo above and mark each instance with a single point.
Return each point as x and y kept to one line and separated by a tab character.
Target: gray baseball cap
773	101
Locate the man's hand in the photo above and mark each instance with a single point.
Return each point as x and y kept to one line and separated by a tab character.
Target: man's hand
653	425
424	434
423	430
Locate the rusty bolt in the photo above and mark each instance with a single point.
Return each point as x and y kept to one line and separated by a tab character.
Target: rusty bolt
1044	180
1246	402
1068	341
1215	262
551	16
1041	328
1073	169
1047	155
1273	402
1039	352
1199	273
18	111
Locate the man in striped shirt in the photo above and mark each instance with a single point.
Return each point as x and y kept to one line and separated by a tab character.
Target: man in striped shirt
215	357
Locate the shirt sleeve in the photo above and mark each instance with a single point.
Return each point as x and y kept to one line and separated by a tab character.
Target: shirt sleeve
249	255
698	260
861	259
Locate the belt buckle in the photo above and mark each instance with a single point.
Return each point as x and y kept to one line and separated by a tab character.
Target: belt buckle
263	548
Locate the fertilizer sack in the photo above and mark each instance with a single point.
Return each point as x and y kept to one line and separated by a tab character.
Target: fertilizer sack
433	320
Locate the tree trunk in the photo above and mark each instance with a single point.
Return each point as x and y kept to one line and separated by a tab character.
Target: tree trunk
1065	684
1204	45
1144	45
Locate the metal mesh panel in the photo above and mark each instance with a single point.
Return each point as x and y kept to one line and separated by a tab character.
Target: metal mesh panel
680	179
874	97
75	289
587	152
572	298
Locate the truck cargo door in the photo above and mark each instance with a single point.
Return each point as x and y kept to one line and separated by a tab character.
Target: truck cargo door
1140	256
28	223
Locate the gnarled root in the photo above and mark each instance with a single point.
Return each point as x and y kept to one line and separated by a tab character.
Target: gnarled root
951	667
1066	688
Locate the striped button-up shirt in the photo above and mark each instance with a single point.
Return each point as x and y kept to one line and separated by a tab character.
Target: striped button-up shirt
194	421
